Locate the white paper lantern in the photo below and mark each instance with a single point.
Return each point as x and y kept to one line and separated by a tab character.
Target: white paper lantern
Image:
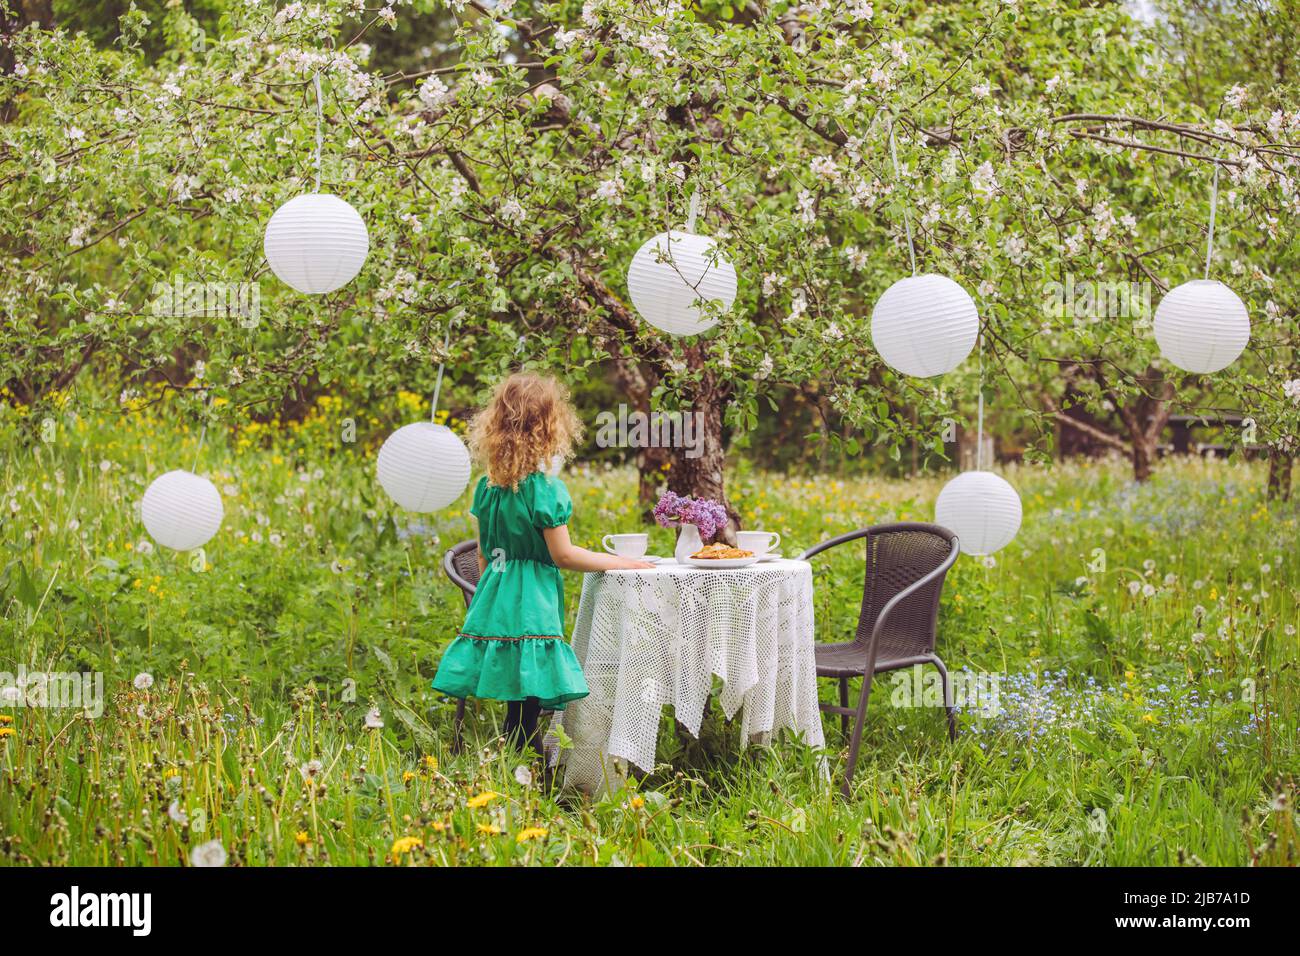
673	275
181	510
924	325
316	243
1201	326
981	509
424	466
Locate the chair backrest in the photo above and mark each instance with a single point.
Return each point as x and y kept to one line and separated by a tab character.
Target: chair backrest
461	565
899	555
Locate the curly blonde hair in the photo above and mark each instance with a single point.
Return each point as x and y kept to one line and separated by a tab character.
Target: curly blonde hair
528	421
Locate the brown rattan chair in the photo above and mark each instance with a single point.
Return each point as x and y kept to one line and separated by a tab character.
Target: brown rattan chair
906	564
461	565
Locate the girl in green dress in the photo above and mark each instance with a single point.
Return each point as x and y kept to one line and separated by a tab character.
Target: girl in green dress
512	646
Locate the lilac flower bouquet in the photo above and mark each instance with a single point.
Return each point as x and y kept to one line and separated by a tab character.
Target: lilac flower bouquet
674	510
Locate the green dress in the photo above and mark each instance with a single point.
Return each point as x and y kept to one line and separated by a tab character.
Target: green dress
512	644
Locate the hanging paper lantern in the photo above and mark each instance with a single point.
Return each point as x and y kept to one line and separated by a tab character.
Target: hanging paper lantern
924	325
181	510
424	466
1201	326
981	509
673	275
316	243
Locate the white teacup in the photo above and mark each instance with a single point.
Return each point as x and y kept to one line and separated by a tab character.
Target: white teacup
760	542
626	545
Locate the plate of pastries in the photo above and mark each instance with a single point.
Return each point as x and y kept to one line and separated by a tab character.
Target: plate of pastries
722	556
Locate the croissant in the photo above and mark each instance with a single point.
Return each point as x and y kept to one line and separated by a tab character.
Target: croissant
721	551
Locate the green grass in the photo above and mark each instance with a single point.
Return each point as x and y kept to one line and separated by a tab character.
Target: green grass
1138	726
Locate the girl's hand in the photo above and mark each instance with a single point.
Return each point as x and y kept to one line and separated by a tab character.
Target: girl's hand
569	556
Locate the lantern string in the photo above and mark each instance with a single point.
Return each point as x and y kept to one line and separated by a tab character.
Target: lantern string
203	433
907	217
437	385
1214	204
979	421
693	212
320	119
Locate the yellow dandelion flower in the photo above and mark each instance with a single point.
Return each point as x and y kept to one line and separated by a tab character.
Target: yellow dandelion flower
6	719
491	829
408	776
430	763
530	833
404	845
482	800
637	803
301	838
6	732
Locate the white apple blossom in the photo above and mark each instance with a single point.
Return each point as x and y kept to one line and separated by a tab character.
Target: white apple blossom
611	190
433	92
984	180
856	257
806	205
513	210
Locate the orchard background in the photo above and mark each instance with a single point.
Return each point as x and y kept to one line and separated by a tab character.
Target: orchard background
508	159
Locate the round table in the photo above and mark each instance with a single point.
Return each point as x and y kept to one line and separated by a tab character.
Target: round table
655	637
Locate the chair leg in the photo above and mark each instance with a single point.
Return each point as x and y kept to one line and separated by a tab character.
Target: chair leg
947	699
458	735
844	702
855	744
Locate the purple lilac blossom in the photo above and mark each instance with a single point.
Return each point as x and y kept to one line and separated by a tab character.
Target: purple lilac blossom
673	509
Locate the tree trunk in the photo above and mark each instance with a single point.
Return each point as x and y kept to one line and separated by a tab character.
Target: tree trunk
700	471
633	381
701	476
1144	453
1279	475
1079	432
1145	417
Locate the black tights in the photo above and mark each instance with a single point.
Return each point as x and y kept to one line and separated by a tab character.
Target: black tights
521	722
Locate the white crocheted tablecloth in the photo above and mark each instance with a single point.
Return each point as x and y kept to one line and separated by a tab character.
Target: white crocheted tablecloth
655	637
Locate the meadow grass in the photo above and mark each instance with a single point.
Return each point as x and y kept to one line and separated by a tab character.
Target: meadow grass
1142	640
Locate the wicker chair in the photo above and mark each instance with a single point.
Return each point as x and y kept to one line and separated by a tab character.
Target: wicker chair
905	568
461	565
